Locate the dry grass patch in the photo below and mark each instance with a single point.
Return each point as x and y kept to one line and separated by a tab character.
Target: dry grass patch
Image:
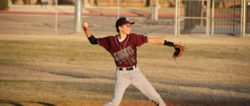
68	70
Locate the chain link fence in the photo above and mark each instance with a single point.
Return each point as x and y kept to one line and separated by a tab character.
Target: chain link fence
226	17
130	3
192	17
212	17
177	17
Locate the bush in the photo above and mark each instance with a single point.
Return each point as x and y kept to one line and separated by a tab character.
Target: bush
4	4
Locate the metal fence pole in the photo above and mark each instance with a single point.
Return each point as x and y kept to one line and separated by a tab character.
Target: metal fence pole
118	8
241	18
176	18
56	17
213	9
244	5
78	15
208	17
154	11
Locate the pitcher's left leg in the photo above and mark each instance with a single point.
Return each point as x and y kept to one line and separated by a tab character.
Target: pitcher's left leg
147	89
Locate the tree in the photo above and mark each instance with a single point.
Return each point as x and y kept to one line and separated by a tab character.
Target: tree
4	4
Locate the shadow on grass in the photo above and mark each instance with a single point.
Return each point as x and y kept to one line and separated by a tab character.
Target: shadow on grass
56	71
19	103
216	86
44	103
14	103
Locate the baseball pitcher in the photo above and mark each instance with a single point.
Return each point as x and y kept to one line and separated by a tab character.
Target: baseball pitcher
123	48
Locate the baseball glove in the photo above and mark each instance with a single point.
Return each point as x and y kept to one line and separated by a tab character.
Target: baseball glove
179	50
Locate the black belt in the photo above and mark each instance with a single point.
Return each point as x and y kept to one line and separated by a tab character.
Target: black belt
126	68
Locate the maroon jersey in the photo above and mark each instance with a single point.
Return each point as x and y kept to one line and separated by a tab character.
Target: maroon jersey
124	53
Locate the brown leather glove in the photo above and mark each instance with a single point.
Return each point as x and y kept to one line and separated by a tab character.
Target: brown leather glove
179	50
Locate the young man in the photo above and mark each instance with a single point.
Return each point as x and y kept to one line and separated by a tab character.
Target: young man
123	48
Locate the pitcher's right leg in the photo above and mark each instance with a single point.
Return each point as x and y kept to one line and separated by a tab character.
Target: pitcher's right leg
148	90
121	85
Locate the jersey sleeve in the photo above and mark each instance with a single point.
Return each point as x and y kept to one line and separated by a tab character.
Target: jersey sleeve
141	39
104	42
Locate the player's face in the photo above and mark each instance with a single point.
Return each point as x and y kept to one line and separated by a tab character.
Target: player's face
126	28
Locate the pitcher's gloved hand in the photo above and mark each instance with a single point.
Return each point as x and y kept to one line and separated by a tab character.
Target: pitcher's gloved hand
179	50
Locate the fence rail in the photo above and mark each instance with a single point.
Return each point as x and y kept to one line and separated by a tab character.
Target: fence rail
208	17
227	20
231	17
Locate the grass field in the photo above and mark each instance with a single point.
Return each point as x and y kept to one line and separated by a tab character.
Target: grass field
66	70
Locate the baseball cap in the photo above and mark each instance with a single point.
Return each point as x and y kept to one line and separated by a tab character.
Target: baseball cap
121	21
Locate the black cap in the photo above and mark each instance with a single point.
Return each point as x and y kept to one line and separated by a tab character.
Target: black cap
121	21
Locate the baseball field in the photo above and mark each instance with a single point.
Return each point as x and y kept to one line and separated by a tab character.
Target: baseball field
65	70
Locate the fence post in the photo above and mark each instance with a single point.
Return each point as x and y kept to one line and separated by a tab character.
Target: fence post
208	17
78	16
213	9
118	9
56	17
243	14
176	18
154	11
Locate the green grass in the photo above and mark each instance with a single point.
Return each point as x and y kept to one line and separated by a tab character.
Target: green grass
47	51
68	70
53	91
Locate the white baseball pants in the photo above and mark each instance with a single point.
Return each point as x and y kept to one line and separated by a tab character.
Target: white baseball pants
137	79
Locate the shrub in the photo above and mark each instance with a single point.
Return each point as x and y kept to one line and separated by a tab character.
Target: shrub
4	4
